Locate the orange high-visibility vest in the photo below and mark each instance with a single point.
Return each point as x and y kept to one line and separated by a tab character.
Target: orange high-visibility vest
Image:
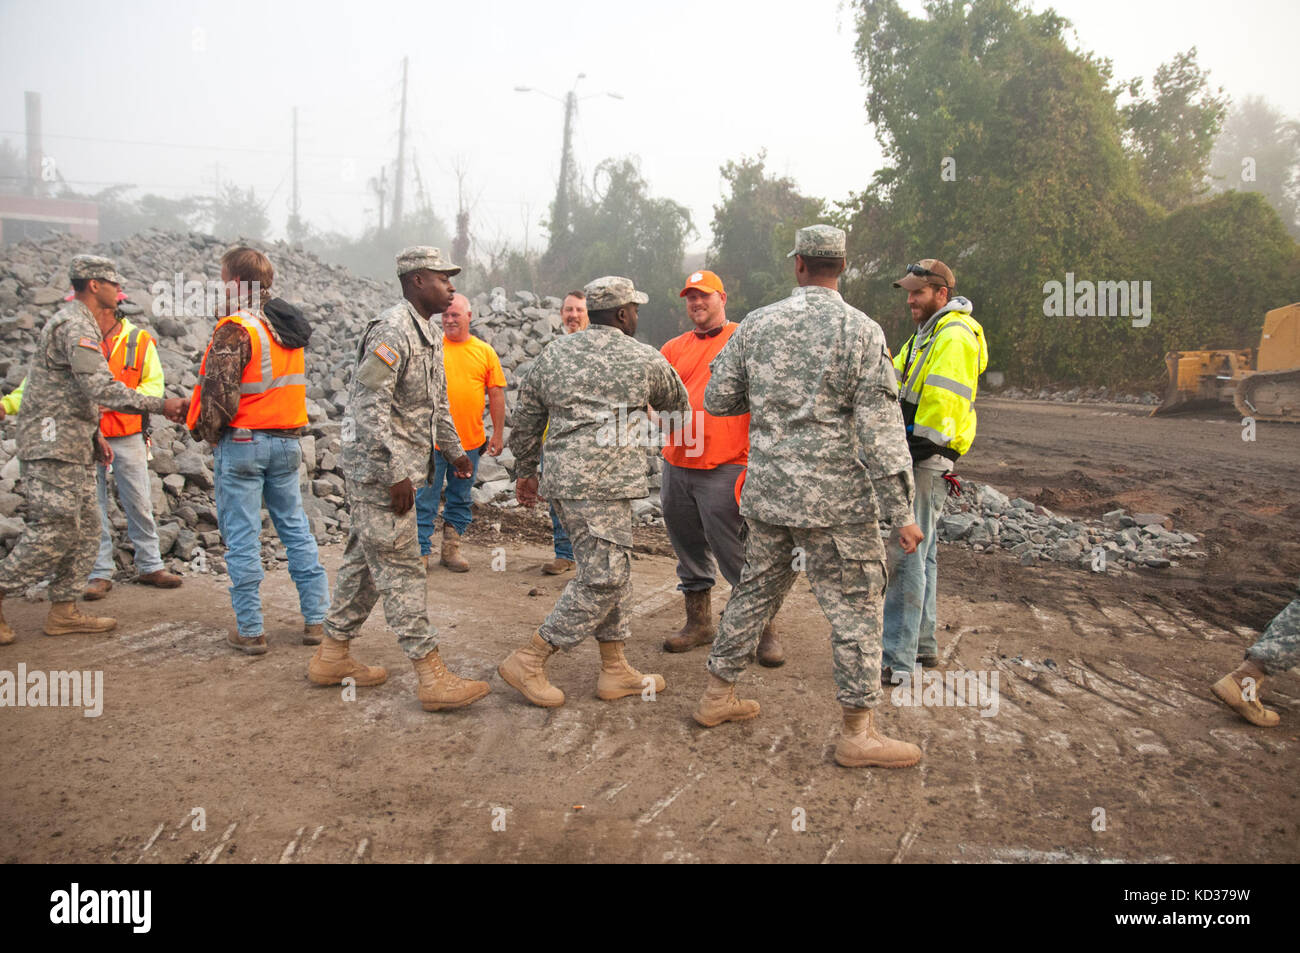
273	388
127	365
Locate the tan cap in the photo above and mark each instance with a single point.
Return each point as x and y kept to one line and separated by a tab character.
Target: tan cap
820	241
424	256
93	266
612	292
927	271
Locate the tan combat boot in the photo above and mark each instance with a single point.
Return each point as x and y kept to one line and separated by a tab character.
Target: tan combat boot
698	629
719	703
312	634
66	619
451	557
559	566
1231	690
770	653
862	746
617	678
6	632
441	689
332	663
524	671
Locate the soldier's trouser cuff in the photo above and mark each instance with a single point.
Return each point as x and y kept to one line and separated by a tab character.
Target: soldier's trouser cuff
340	635
418	646
727	669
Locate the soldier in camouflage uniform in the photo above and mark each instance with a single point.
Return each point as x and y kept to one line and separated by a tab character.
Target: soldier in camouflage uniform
58	442
828	461
397	411
594	387
1277	650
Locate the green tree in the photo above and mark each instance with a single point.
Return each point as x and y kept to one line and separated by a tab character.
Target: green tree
753	232
237	213
1259	151
618	228
374	253
1171	134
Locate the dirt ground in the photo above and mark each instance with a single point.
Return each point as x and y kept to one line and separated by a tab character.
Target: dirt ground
1104	703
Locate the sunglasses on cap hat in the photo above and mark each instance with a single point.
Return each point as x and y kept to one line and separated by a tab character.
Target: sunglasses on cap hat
922	272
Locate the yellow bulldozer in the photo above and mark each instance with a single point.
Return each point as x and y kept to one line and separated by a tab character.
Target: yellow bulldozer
1263	382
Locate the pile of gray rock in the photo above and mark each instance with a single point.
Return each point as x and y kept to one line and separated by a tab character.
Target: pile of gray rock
987	520
33	281
1079	395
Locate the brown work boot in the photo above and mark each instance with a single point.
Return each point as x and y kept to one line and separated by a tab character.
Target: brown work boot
451	557
66	619
6	632
160	578
97	589
1244	702
558	566
770	652
698	629
617	678
862	746
441	689
719	703
524	670
249	645
332	663
312	634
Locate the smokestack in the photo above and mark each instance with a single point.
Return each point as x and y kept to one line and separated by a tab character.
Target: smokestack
35	155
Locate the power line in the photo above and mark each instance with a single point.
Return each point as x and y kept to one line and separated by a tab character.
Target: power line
206	148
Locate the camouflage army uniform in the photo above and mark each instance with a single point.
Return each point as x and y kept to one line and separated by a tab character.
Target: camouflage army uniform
1278	649
68	382
587	384
828	460
397	410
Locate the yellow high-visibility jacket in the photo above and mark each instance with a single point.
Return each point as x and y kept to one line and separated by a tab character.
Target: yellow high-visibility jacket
938	374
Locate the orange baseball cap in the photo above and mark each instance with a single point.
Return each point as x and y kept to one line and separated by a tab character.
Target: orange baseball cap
705	281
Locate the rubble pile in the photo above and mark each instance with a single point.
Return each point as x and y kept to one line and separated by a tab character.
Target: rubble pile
157	266
987	520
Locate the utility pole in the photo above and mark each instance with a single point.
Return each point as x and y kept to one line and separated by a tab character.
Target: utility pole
35	150
401	155
295	224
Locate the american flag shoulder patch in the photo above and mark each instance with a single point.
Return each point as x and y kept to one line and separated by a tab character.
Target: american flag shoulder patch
88	342
387	355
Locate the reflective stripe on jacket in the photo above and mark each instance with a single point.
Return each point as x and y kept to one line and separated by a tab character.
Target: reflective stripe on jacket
126	355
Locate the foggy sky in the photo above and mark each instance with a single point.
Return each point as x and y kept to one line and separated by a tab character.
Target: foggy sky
209	87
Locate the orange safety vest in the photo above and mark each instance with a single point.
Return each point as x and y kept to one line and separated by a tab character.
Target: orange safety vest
273	388
127	365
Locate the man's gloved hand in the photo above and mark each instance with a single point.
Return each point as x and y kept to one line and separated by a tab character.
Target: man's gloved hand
402	495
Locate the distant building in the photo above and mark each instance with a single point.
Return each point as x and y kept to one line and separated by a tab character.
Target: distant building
23	217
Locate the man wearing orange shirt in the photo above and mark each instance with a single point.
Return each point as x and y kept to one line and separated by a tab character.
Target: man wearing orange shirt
473	371
704	458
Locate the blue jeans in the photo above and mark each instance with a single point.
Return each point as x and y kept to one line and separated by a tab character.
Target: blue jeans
252	468
456	510
563	546
131	475
913	577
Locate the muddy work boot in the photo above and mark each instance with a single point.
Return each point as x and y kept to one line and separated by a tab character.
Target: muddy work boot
160	578
451	557
332	663
6	632
617	678
524	671
1240	689
698	629
97	589
249	645
312	634
66	619
719	703
770	653
440	689
862	746
559	566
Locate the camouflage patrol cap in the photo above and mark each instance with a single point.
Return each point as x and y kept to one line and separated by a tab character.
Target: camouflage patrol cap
612	292
424	256
819	241
93	266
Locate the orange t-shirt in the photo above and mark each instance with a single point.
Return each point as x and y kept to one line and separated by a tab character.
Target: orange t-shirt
709	441
472	367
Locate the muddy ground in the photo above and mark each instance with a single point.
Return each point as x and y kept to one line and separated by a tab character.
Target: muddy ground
1104	703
